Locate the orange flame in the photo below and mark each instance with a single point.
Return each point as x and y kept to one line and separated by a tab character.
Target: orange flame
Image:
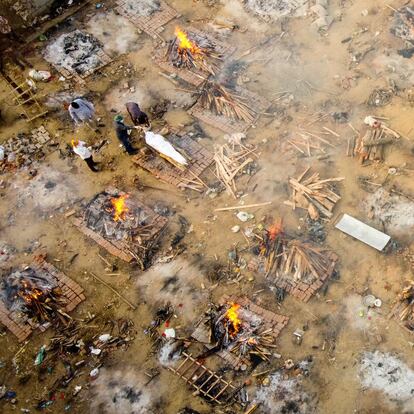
275	229
232	316
185	42
120	209
30	293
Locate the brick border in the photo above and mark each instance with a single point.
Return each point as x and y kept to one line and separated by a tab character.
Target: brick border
193	76
229	125
21	326
200	159
151	25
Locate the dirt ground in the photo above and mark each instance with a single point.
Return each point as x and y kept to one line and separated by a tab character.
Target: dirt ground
319	75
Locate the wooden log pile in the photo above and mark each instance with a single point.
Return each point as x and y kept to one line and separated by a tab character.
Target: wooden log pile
257	344
313	194
221	101
230	160
404	309
371	145
43	305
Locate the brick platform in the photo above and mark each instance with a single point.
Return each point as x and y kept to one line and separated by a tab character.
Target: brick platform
153	24
297	288
194	77
124	249
198	158
228	125
269	320
20	325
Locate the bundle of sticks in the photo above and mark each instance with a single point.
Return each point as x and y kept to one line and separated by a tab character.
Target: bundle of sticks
43	305
306	142
371	146
313	194
192	57
221	101
405	306
257	344
294	258
230	161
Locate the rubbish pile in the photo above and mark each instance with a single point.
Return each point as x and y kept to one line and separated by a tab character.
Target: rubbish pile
76	52
311	193
23	149
273	9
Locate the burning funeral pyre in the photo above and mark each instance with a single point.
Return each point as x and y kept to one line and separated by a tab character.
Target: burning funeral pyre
221	101
189	50
235	328
130	226
35	295
289	258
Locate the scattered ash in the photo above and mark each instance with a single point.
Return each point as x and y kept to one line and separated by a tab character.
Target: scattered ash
388	374
392	211
75	51
143	7
285	394
6	252
123	391
273	9
169	354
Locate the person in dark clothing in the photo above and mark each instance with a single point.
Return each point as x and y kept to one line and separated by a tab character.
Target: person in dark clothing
138	117
122	132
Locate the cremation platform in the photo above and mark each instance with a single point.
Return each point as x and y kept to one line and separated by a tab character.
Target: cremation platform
198	157
193	76
297	288
151	24
229	125
18	322
77	55
133	238
268	321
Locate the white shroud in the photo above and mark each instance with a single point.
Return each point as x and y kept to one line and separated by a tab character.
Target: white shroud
161	145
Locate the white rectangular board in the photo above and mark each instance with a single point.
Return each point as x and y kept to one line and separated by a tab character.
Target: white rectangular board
361	231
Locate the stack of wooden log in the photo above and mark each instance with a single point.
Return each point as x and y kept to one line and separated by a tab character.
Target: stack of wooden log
313	194
404	309
293	258
258	344
371	145
230	161
221	101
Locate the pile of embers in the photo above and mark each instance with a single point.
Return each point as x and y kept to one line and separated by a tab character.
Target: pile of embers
236	329
192	51
287	256
36	296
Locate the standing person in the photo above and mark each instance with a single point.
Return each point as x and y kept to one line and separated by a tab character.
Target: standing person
80	148
122	132
138	117
81	110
